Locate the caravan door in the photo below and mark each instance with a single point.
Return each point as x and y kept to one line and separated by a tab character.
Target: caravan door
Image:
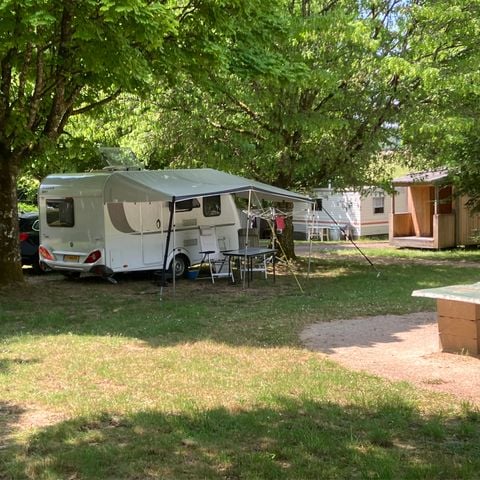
152	236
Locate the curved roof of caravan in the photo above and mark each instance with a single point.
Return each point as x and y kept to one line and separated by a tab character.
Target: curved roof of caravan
84	184
164	185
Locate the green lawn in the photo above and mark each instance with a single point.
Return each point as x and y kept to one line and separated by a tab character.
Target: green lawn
460	255
112	381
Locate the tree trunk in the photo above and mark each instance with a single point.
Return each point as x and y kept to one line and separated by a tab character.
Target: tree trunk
10	260
286	238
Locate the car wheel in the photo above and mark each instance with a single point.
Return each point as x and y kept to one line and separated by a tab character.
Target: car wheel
181	265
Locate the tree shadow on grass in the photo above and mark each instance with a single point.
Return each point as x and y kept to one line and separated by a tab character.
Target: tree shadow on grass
6	364
9	416
291	440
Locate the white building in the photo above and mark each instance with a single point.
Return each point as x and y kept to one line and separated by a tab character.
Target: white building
358	213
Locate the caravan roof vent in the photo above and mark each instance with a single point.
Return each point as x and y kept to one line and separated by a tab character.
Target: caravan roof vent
117	158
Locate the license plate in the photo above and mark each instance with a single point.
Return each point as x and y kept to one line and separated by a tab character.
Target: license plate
71	258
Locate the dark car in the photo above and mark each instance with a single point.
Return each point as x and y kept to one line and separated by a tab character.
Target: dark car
29	239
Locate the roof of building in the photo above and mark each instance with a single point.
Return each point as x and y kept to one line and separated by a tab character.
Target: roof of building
423	178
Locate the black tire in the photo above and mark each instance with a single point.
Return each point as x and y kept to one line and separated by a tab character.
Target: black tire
181	266
36	267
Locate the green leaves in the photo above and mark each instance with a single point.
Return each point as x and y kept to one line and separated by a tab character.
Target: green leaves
442	130
62	57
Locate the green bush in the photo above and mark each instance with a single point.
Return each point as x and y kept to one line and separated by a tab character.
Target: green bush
27	189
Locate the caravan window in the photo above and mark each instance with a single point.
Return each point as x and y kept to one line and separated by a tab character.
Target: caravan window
212	206
185	205
60	213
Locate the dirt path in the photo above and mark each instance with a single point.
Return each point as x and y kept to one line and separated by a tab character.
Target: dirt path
398	348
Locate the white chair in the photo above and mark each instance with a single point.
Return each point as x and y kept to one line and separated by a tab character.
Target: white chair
218	263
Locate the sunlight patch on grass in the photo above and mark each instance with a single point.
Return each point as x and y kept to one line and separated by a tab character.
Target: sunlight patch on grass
78	375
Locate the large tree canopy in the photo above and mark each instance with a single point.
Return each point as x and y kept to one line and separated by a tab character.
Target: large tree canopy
312	92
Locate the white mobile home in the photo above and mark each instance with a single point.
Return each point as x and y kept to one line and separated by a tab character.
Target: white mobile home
118	221
358	213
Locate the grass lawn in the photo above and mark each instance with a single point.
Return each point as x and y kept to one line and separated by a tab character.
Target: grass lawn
102	381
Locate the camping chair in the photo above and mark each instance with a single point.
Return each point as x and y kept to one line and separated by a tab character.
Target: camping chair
218	263
259	263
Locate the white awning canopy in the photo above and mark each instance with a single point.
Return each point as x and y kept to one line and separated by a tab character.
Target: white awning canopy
165	185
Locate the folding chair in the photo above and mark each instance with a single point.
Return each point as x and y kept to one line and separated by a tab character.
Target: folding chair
218	263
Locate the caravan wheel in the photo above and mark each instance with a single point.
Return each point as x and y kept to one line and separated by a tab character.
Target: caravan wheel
181	265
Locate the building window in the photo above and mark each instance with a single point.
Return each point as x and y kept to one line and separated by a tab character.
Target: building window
319	204
379	203
60	213
212	206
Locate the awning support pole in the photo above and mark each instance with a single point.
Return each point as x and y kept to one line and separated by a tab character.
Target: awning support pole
174	249
167	245
352	242
245	260
310	243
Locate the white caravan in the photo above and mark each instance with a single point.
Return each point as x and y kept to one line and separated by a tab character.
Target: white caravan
117	221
